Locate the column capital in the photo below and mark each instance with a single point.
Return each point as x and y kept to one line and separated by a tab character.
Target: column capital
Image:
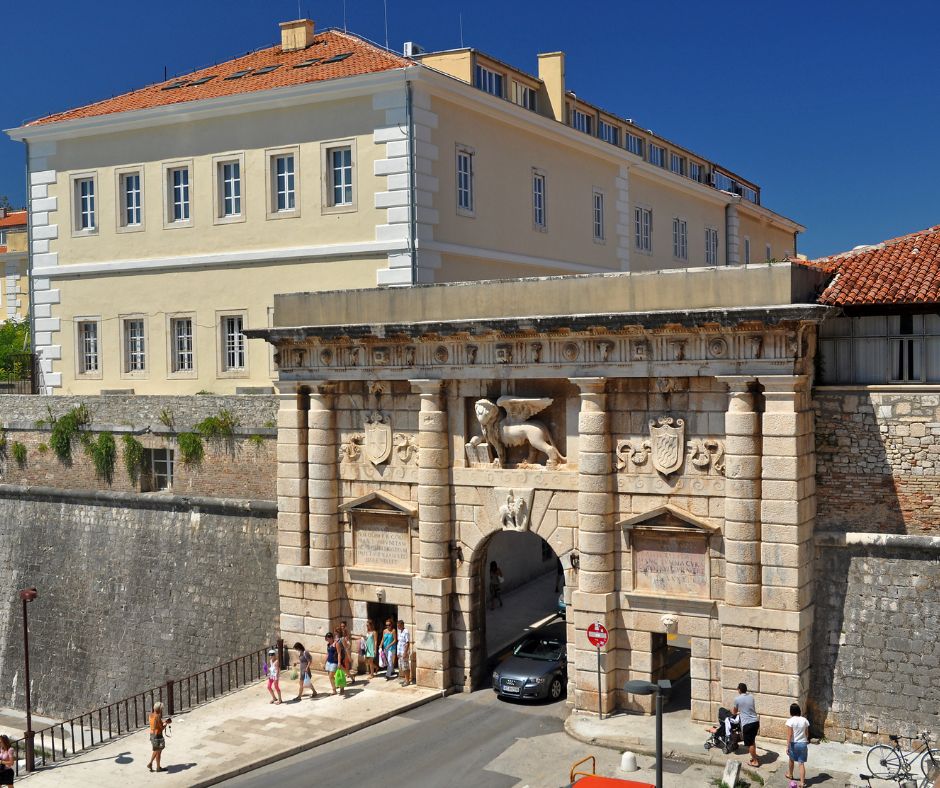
783	385
590	385
737	384
426	387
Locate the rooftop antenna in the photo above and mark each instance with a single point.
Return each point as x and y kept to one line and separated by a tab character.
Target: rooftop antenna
385	3
299	15
344	17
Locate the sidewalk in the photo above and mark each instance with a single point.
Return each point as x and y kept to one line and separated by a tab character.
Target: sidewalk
235	734
830	764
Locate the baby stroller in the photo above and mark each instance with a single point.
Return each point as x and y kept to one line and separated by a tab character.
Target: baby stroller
727	734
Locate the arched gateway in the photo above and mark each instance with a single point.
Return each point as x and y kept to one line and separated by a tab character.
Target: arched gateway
666	457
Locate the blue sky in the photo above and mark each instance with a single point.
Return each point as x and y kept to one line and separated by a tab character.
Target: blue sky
829	105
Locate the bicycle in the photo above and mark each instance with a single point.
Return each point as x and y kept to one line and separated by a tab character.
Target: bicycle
890	762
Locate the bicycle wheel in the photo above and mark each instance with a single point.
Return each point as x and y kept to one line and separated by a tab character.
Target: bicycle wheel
884	762
930	764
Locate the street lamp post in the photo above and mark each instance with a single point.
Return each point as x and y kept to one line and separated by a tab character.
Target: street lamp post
659	689
28	595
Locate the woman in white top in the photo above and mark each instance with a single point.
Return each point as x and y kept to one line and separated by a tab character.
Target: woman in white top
797	741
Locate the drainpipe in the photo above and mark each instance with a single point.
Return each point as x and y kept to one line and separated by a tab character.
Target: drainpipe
412	178
732	237
795	250
31	315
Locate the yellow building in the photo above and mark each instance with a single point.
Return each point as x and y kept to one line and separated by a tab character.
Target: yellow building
14	296
164	220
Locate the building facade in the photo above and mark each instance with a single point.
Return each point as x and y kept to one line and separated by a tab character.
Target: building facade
164	220
14	296
664	454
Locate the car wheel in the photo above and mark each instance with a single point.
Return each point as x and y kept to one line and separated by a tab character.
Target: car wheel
555	688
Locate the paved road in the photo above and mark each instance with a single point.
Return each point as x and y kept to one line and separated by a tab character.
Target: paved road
473	740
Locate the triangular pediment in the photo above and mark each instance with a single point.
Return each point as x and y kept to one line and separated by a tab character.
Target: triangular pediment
670	518
378	501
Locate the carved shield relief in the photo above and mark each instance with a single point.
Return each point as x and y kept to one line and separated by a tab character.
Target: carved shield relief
667	436
378	438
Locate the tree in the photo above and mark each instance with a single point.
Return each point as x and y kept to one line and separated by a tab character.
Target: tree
14	340
5	202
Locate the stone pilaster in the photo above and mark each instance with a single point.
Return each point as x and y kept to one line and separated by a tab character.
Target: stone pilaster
596	598
434	587
742	532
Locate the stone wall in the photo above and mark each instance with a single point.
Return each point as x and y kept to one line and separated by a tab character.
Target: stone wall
878	460
133	590
243	467
876	655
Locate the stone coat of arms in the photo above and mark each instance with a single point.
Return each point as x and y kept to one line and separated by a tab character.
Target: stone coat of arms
667	439
378	438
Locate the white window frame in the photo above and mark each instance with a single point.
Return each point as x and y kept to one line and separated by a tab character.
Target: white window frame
81	368
124	322
680	238
643	229
711	246
169	194
328	203
485	79
219	163
582	121
597	215
80	204
224	369
121	177
172	356
651	147
464	195
608	132
629	138
525	96
698	175
274	182
3	237
677	164
167	460
539	200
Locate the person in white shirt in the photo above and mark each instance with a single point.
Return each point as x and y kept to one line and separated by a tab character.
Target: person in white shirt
404	654
797	742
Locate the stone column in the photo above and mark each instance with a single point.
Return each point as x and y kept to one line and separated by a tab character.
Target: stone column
434	585
732	234
742	495
596	598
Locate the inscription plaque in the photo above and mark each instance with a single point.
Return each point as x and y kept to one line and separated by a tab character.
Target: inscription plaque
672	564
382	544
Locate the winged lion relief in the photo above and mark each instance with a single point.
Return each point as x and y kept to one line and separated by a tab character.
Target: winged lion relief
508	423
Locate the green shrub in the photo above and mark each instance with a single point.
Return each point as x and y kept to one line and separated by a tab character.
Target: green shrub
218	427
191	448
256	440
133	457
19	454
42	448
64	430
103	453
166	418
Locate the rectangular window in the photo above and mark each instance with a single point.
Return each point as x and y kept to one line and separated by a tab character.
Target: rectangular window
722	182
538	200
85	201
907	347
524	96
135	350
181	329
178	178
695	171
608	132
3	237
711	246
581	121
464	180
643	226
230	175
285	195
88	347
341	176
680	239
158	473
130	195
677	164
657	155
749	194
635	144
489	81
598	215
233	343
768	253
747	251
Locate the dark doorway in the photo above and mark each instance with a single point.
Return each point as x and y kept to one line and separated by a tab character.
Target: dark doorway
379	612
672	659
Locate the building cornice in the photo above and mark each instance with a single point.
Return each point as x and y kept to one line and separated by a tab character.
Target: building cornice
236	104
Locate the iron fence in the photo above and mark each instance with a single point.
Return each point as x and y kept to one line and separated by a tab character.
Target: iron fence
92	728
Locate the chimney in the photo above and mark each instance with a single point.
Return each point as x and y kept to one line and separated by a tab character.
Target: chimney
296	35
552	74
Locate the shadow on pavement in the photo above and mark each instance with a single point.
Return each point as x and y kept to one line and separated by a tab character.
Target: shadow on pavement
179	767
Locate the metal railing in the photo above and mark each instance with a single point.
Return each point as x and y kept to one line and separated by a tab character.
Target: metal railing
92	728
18	374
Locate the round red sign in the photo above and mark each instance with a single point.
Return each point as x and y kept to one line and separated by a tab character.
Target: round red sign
598	635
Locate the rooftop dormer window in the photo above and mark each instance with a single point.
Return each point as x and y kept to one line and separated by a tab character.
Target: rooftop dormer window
608	132
489	81
581	121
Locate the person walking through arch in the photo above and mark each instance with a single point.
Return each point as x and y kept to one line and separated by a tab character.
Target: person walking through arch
496	584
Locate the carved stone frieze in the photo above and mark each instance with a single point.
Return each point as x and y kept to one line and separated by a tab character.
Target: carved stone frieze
515	508
351	450
406	447
668	450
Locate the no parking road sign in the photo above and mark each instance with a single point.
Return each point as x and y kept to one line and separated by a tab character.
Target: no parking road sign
598	635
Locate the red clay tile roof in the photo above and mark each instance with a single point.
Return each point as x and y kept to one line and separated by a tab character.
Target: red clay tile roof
14	219
364	58
902	271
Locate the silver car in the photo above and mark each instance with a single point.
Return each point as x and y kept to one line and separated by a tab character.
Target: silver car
536	670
